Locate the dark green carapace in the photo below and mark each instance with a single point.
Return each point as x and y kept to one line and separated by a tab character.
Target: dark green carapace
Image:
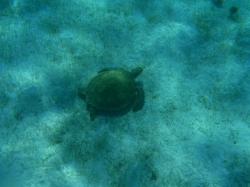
113	89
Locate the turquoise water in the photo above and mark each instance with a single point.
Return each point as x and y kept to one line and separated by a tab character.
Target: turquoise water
194	128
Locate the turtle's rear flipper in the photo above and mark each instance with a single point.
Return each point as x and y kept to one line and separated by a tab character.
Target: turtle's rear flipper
81	93
92	113
140	99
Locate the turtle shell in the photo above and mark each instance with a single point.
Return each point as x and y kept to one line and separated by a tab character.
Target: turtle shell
111	89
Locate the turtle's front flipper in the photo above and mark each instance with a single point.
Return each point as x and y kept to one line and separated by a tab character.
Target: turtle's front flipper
140	98
136	72
92	113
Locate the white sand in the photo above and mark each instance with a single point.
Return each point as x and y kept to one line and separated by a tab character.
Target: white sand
194	129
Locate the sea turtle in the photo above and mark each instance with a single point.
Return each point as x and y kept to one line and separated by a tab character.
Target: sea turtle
113	89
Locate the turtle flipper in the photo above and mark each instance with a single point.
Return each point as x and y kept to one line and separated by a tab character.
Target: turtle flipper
82	93
136	72
140	99
92	113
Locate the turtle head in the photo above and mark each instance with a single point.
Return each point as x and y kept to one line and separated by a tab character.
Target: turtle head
136	72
